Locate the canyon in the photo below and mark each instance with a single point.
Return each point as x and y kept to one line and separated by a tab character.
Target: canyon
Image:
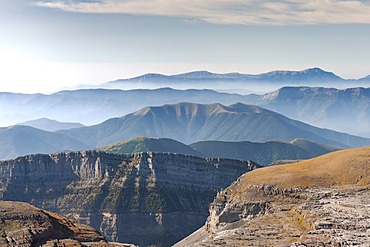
142	198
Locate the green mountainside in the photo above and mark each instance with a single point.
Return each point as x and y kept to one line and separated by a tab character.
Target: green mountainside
21	140
263	153
146	144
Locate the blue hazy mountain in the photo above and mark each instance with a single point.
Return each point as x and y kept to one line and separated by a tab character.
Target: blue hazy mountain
21	140
264	153
311	75
50	125
92	106
346	110
190	122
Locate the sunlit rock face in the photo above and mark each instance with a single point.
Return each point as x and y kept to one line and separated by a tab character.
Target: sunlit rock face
319	202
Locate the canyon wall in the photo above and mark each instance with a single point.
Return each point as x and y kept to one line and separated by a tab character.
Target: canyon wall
142	198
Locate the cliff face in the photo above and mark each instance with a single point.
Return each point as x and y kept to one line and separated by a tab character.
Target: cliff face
25	225
319	202
143	198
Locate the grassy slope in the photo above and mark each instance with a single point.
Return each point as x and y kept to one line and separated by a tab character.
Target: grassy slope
344	167
147	144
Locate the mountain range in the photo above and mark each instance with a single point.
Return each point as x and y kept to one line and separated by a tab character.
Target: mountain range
92	106
149	166
184	122
190	122
21	140
322	107
50	125
345	110
310	76
266	153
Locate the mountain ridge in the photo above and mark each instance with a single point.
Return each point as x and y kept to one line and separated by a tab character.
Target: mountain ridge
190	122
147	144
21	140
314	74
93	106
325	107
50	124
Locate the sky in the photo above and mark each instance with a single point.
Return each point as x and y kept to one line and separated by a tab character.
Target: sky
48	45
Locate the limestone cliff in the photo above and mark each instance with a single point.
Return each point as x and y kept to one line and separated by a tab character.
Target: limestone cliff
23	225
143	198
319	202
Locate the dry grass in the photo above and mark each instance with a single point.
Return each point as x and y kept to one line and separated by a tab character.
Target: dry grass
344	167
300	220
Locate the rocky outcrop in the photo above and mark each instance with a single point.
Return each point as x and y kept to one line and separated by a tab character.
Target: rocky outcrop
143	198
320	202
23	225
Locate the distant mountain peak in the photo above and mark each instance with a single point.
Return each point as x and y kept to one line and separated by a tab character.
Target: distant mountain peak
310	75
315	70
195	74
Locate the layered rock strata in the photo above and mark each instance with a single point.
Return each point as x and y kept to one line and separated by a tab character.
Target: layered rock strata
143	198
320	202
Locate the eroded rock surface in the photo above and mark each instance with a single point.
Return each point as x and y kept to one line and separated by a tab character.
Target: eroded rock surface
320	202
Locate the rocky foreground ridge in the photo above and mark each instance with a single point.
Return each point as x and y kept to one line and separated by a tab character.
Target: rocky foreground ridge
319	202
142	198
23	225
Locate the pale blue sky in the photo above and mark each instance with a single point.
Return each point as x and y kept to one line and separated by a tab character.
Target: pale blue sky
47	45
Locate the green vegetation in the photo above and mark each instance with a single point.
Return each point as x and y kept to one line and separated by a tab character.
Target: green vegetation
267	153
147	144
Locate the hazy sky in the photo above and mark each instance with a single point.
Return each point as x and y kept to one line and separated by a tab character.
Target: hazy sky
47	45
